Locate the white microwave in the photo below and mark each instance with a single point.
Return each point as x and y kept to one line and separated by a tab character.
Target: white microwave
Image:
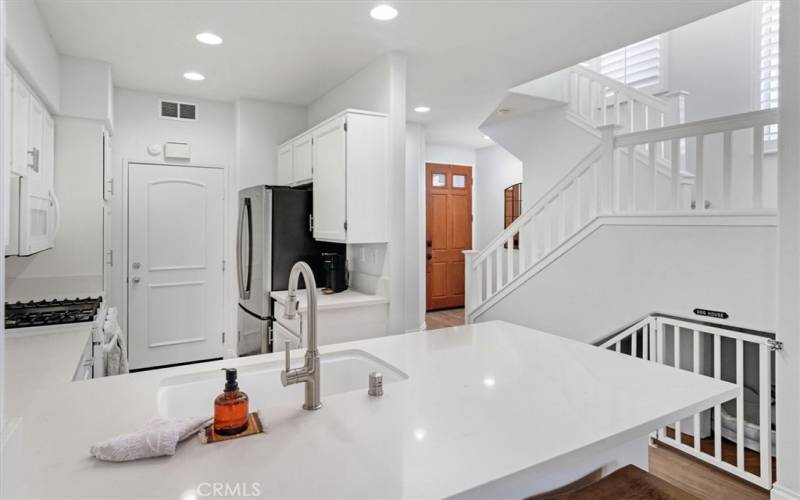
32	218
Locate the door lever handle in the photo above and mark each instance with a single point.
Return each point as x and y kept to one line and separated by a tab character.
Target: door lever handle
429	256
136	279
429	243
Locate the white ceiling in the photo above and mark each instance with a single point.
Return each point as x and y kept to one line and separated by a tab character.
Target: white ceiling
462	55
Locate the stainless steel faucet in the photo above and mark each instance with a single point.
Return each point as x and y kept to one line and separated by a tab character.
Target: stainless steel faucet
309	372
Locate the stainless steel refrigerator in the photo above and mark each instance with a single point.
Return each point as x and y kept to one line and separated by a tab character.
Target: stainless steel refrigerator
274	231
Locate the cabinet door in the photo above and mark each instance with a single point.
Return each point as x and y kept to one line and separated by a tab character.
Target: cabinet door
108	177
303	161
12	215
285	166
330	215
35	169
12	247
48	177
20	112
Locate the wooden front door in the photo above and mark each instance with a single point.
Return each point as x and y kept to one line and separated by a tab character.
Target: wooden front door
448	233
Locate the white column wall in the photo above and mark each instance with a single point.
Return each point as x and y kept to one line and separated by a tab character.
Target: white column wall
788	303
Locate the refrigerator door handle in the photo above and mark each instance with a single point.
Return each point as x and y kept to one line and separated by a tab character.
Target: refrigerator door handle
244	283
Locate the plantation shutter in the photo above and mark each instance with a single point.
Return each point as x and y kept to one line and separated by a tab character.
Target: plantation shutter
637	65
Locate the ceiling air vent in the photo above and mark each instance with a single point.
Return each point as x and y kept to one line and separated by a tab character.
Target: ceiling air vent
177	110
187	111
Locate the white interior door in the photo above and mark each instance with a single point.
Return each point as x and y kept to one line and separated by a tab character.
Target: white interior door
175	273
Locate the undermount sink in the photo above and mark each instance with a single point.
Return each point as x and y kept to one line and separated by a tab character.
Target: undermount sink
344	371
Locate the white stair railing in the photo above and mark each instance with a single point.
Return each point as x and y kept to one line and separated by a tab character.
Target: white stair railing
736	132
561	212
599	100
738	356
602	185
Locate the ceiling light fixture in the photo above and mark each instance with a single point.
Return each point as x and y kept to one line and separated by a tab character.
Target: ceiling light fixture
487	137
422	109
209	38
383	12
194	76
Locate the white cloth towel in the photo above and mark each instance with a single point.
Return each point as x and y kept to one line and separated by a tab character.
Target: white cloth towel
114	352
160	436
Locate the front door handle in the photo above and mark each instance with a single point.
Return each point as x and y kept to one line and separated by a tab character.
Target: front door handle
429	243
429	256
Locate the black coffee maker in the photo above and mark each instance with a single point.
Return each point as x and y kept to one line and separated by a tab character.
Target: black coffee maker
334	269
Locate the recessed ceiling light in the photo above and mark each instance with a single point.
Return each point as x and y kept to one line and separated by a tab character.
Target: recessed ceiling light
422	109
383	12
209	38
487	137
194	76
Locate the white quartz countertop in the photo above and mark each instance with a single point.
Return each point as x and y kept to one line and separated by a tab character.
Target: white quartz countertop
346	298
481	402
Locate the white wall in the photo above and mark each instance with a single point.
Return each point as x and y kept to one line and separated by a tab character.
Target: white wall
3	221
497	169
452	155
87	90
547	145
415	226
369	89
714	59
32	51
379	86
260	128
619	274
213	142
75	265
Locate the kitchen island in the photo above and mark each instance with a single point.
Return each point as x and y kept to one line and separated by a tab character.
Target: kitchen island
487	410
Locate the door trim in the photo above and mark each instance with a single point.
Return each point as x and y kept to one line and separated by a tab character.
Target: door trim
123	275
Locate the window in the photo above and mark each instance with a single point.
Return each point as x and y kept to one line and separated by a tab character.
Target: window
512	201
769	62
639	65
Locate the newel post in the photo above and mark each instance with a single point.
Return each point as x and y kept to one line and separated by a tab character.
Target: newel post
471	284
606	176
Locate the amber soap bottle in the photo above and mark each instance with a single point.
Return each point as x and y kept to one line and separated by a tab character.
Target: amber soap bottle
231	408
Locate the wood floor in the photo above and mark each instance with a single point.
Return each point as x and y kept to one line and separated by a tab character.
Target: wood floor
699	479
679	469
444	318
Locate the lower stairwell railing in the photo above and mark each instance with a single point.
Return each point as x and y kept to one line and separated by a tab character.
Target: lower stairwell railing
737	436
726	155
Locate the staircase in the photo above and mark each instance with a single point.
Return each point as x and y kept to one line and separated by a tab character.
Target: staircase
649	166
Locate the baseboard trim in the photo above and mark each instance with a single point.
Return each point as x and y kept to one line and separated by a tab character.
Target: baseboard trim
779	492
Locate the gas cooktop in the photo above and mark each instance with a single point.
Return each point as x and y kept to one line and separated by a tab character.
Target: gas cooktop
51	312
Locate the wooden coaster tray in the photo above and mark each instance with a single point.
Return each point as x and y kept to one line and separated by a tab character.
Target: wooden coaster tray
254	426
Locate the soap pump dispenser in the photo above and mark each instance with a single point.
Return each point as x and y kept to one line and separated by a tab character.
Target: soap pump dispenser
231	408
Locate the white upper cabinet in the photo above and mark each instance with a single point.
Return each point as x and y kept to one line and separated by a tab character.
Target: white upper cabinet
295	164
31	167
346	159
20	113
303	163
330	186
285	175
